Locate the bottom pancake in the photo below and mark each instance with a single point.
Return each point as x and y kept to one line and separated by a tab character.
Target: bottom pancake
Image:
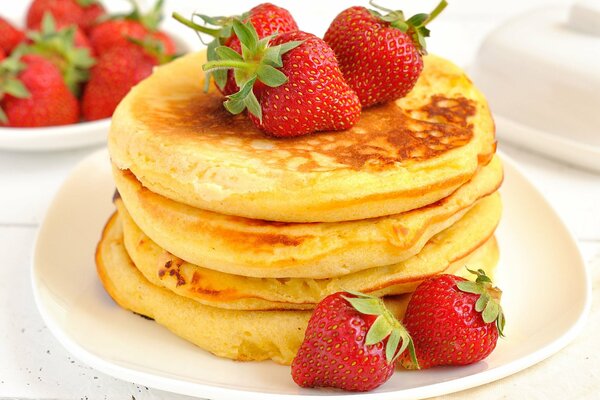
235	334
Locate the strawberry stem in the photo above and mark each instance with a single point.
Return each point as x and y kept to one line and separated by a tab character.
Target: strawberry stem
438	9
226	64
199	28
415	26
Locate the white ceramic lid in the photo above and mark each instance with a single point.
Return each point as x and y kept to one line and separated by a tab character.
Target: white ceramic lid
541	72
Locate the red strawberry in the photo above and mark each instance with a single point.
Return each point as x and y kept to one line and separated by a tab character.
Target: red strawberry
302	89
380	56
267	19
62	47
34	94
351	343
115	73
117	31
10	36
91	15
66	12
453	321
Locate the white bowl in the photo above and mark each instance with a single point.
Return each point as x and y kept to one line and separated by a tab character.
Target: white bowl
72	136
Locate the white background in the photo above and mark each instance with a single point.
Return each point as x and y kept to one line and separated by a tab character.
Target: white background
34	365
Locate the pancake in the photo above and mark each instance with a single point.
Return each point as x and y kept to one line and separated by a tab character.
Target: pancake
464	243
266	249
181	143
239	335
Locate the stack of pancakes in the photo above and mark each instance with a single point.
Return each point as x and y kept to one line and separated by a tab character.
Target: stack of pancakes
230	238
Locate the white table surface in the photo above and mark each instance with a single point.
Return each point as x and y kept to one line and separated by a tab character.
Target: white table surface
33	365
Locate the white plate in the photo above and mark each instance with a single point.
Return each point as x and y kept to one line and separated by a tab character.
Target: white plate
547	295
571	151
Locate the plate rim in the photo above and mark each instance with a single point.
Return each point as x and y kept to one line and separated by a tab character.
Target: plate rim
211	391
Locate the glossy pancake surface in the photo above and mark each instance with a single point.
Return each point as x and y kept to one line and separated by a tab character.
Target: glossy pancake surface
260	248
467	242
181	143
234	334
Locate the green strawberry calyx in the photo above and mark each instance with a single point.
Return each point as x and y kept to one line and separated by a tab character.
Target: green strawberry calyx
258	62
415	26
58	46
153	47
86	3
9	81
386	325
221	32
488	303
150	20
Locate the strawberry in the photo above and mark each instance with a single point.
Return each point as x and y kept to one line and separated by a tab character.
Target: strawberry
453	321
33	94
351	343
116	72
380	55
266	18
118	30
301	87
10	36
62	47
83	13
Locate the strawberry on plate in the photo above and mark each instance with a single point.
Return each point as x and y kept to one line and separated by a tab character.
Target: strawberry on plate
380	55
266	18
33	93
453	321
115	73
83	13
290	84
10	36
351	343
117	30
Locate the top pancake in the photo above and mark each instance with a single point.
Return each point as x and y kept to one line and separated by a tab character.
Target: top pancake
181	143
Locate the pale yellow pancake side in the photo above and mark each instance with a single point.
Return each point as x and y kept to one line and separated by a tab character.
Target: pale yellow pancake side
259	248
459	245
239	335
181	143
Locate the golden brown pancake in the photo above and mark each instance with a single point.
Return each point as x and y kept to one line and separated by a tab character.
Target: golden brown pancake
235	334
464	243
266	249
179	142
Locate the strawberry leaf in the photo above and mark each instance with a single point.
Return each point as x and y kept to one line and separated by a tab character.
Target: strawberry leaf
482	302
224	52
380	329
488	303
58	46
470	287
491	311
247	35
237	102
391	348
366	305
86	3
386	325
500	322
271	76
3	117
